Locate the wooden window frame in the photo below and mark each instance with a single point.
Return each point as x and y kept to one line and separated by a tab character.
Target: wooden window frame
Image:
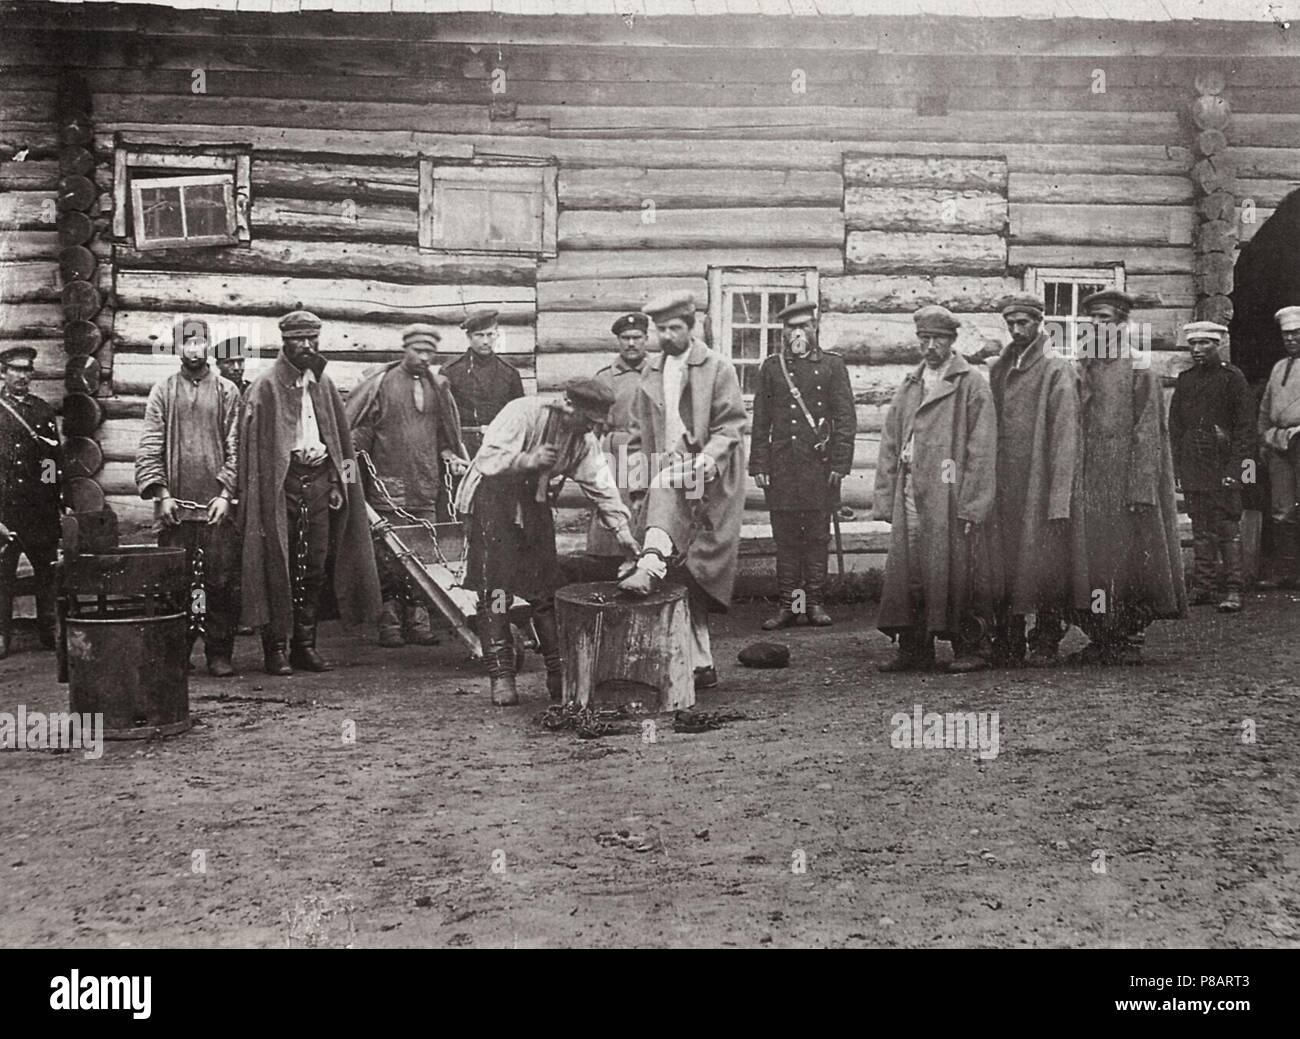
722	282
138	186
1037	278
540	176
232	162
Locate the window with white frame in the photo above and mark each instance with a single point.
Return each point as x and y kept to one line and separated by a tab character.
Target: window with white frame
1063	289
505	208
743	304
169	198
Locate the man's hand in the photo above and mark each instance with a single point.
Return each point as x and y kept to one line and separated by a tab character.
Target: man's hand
835	479
762	479
627	542
968	528
705	467
456	464
218	510
169	511
336	499
539	458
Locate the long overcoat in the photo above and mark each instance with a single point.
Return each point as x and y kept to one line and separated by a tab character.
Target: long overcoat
953	473
713	412
267	429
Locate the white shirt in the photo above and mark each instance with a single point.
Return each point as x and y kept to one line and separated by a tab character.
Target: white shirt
929	381
307	444
674	374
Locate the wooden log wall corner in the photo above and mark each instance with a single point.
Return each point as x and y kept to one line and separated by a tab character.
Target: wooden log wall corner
1214	177
81	298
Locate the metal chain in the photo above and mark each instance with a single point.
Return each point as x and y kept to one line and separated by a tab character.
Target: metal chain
198	597
300	562
417	520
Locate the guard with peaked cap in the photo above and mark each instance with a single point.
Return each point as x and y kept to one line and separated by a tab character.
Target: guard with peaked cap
1279	432
30	482
1212	434
801	449
481	382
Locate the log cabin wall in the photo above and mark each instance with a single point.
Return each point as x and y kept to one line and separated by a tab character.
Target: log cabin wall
906	160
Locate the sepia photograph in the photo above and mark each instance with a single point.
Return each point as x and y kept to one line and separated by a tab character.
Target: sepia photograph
650	474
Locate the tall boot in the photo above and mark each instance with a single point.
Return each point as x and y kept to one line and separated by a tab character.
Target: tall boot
548	639
1205	565
915	652
273	656
46	611
814	570
302	647
1284	553
1233	567
390	625
499	655
419	629
787	580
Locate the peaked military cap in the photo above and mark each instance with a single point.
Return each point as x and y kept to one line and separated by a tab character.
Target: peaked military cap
798	313
629	321
22	357
480	320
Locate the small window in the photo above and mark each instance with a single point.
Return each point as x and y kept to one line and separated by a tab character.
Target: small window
1063	289
181	198
743	304
494	209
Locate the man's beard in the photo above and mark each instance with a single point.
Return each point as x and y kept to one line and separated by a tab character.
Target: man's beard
669	347
194	364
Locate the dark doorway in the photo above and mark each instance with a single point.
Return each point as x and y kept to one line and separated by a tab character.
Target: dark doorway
1265	279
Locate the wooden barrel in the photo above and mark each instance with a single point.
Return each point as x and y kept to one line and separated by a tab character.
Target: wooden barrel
622	650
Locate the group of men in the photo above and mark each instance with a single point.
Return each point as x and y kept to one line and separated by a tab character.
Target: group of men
1045	489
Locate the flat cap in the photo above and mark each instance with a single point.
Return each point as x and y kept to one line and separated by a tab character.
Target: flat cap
667	307
19	357
798	313
1205	330
935	318
590	397
299	322
1111	297
629	321
480	320
1021	303
1288	318
421	334
765	654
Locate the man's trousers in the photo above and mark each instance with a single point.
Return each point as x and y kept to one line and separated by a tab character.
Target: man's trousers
1216	541
306	492
802	541
221	551
41	554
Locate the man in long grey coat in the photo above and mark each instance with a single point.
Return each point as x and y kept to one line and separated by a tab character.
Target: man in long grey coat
688	422
935	483
1040	466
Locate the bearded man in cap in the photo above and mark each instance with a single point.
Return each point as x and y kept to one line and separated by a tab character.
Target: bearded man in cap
1040	468
529	450
1135	563
935	482
481	382
688	422
801	448
404	421
189	453
302	504
30	477
1279	432
1212	432
622	377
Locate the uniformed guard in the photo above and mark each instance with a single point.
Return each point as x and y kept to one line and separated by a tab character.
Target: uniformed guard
622	377
29	492
801	449
481	382
1278	426
1212	433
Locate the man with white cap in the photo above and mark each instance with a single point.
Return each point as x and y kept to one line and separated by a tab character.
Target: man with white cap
405	425
1211	430
1279	424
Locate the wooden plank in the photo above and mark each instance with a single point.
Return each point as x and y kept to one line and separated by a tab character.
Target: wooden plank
150	330
954	173
337	298
1121	225
1128	189
864	293
612	294
924	209
700	228
632	187
678	263
28	210
333	259
948	253
1136	259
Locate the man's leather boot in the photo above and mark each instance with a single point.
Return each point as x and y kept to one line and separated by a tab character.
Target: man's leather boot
390	625
302	650
548	638
499	655
787	579
273	658
915	652
419	629
814	569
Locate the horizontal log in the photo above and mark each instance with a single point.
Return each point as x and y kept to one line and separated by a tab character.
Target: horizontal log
1135	259
621	294
1161	290
29	281
924	209
37	140
582	331
901	251
28	210
954	173
28	106
678	263
336	180
700	228
631	187
342	219
1118	189
389	262
30	320
1267	192
1265	162
1248	223
40	176
864	293
117	478
865	340
1122	225
351	299
152	330
1270	130
271	141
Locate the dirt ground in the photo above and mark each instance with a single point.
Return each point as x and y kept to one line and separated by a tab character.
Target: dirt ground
449	822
